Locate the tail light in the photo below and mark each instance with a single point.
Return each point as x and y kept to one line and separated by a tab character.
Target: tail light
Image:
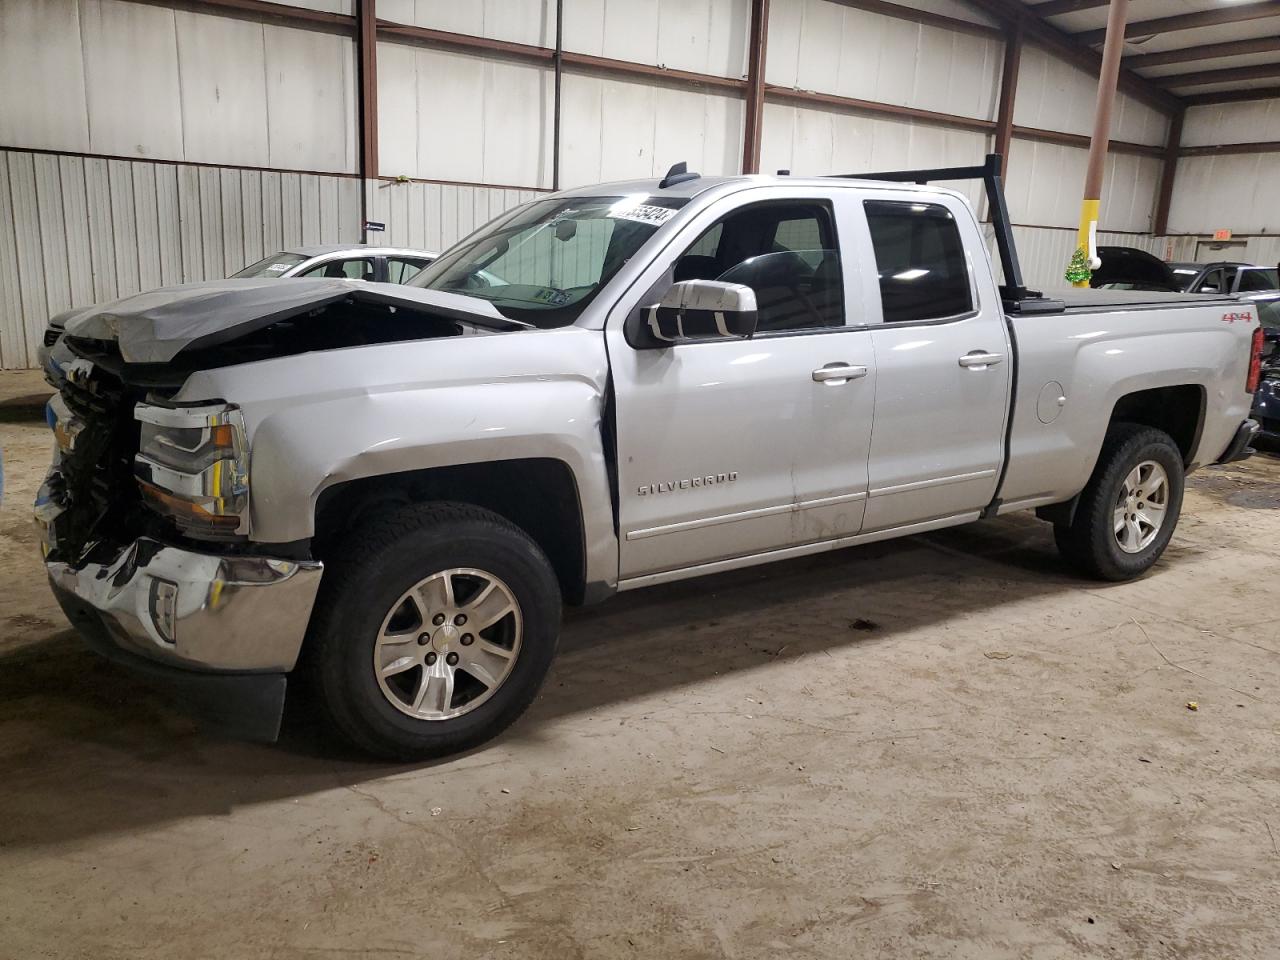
1255	362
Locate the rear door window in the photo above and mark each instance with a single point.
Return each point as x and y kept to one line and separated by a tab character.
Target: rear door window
920	261
404	269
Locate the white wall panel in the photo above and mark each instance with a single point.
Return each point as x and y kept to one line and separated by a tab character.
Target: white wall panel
453	116
1046	181
830	48
138	80
705	36
1055	95
42	93
1232	191
1247	122
311	100
224	107
132	78
82	230
816	142
620	129
520	21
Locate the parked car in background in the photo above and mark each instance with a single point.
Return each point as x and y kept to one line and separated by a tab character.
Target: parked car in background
1224	277
1128	268
1266	401
342	261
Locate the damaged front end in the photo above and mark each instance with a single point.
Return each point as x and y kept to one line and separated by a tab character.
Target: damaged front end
144	516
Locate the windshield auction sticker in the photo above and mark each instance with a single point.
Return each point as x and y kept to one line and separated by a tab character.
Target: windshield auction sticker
643	213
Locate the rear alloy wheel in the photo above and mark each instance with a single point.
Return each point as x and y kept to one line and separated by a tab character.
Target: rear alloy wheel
1141	506
1129	509
435	626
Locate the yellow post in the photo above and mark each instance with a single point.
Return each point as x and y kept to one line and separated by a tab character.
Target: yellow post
1112	50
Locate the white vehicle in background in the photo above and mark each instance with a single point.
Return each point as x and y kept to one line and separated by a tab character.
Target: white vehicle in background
341	261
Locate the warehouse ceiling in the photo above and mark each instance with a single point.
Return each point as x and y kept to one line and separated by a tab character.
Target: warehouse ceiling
1200	50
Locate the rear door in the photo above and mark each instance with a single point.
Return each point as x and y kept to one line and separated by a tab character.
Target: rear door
943	363
731	448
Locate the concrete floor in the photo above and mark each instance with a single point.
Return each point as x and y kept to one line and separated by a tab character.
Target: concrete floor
946	746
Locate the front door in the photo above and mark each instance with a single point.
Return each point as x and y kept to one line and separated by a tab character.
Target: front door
729	448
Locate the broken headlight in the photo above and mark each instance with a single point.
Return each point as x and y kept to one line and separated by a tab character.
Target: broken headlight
193	467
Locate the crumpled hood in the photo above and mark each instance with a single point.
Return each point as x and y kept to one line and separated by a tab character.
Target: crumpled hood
154	327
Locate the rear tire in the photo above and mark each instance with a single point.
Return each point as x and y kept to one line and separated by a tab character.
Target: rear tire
435	627
1128	511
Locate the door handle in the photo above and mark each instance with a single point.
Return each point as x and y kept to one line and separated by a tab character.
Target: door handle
837	373
980	359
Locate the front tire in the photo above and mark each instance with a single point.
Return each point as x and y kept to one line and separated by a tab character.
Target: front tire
1128	511
435	628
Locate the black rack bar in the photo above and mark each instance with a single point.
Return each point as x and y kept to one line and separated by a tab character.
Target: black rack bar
1013	289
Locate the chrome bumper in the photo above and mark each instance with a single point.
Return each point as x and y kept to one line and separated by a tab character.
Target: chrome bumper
198	611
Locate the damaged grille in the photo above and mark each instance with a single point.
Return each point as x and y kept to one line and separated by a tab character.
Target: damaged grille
96	487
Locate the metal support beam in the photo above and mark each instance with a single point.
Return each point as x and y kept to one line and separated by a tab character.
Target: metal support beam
854	105
1083	142
1160	222
367	68
1231	96
1008	92
1068	47
1207	51
1056	8
756	54
1259	71
1234	13
285	14
1223	149
927	17
555	129
1107	77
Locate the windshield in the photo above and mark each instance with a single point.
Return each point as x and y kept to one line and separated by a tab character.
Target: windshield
545	261
273	266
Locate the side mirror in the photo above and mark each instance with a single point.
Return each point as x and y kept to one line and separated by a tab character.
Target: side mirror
703	310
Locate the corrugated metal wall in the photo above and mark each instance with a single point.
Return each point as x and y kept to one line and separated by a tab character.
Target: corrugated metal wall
80	230
433	216
1231	191
148	81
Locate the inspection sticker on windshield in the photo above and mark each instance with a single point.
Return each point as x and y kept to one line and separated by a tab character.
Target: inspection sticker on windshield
643	213
278	267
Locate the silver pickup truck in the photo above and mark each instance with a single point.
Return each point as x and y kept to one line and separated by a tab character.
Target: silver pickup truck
389	491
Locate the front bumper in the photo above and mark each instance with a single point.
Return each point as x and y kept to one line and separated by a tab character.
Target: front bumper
223	629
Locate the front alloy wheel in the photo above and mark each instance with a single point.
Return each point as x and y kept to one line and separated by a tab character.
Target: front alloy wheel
448	644
435	626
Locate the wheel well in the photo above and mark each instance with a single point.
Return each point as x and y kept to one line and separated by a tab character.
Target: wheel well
1178	411
537	495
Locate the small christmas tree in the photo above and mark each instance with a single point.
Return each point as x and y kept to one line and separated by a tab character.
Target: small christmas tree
1078	269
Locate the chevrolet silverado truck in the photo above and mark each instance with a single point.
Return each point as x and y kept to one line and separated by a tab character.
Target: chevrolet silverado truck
389	491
